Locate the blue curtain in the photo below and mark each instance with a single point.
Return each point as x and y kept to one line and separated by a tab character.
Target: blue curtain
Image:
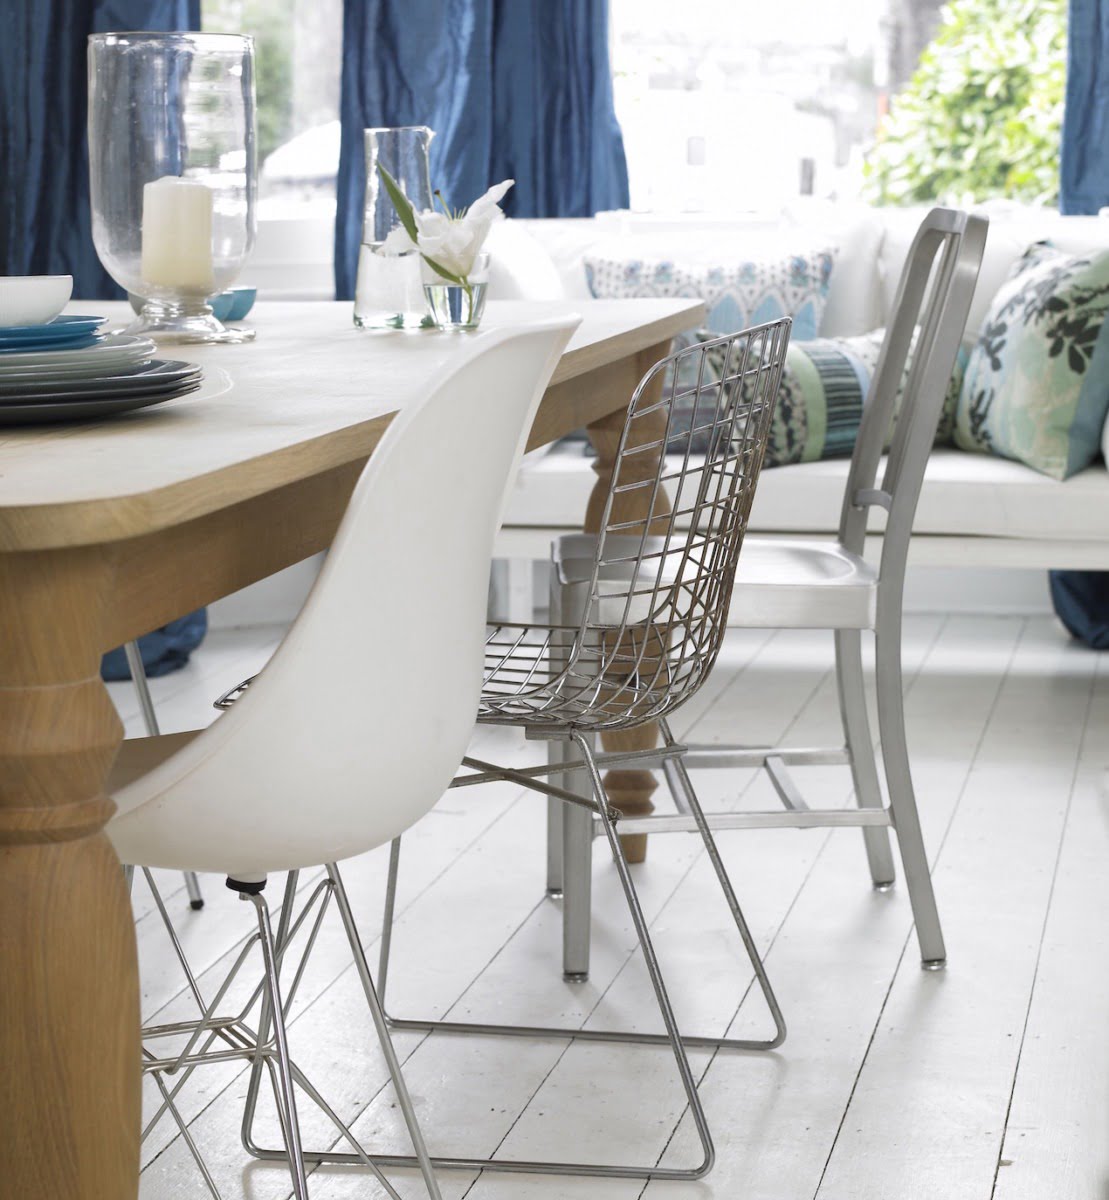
1084	169
45	226
44	202
514	89
1081	598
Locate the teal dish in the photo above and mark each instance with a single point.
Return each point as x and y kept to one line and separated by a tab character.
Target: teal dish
242	301
221	306
231	305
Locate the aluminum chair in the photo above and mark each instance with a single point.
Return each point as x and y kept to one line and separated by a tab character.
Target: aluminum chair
797	584
322	761
649	620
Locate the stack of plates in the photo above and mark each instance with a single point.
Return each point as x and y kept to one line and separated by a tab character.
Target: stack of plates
66	371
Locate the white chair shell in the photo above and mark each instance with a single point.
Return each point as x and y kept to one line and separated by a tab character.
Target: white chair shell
358	723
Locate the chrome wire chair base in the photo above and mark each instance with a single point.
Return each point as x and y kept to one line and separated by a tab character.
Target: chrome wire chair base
213	1038
678	1043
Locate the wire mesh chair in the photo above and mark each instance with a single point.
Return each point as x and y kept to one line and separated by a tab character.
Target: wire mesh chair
653	614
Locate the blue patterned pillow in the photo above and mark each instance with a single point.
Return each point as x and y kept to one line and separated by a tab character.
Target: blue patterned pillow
739	290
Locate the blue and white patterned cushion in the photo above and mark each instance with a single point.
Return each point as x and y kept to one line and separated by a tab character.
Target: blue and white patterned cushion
740	288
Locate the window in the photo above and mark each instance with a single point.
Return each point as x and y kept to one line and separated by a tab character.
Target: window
729	105
298	65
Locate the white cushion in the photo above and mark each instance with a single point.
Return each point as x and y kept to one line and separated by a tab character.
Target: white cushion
963	494
519	267
854	302
1013	228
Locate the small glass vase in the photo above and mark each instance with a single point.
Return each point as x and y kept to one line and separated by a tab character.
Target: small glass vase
172	173
454	305
387	291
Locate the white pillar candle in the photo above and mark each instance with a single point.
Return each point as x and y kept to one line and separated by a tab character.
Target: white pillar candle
177	235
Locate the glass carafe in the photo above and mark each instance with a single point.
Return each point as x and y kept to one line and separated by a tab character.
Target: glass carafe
389	293
172	172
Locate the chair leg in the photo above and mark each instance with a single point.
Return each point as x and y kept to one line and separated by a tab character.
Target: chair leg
384	1037
724	879
577	892
860	747
647	946
135	665
192	886
906	818
286	1097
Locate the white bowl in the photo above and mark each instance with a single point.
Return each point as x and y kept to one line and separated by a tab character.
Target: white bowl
33	299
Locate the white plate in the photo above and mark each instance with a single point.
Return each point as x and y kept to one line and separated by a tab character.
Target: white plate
115	350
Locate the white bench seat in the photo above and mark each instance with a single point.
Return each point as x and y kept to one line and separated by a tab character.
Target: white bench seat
974	510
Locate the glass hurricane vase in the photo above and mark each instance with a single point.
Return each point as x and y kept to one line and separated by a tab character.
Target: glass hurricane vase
172	173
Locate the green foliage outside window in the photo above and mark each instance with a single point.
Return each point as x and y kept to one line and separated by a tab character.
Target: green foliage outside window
983	114
271	24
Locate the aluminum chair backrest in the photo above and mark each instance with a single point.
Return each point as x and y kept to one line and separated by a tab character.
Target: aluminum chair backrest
696	429
356	726
932	304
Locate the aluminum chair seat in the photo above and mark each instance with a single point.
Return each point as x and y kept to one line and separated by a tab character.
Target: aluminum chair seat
779	583
803	585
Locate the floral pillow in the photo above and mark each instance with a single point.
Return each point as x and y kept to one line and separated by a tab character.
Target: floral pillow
821	397
739	290
1036	387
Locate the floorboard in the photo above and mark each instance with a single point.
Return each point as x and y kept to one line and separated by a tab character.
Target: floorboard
986	1080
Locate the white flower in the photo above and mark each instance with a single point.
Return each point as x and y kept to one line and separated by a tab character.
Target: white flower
398	242
454	241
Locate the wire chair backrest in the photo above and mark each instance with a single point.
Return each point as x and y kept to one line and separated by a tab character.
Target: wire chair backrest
929	321
357	724
696	429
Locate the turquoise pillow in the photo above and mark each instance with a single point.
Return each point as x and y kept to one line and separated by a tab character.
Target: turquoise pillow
740	291
1036	387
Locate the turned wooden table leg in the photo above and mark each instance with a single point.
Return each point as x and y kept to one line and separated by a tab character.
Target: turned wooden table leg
629	791
69	998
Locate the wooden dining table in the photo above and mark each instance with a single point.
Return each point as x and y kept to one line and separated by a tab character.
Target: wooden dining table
111	529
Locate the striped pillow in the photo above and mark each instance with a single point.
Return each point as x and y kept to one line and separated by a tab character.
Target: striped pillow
820	399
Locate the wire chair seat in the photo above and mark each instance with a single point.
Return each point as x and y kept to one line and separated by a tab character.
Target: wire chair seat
529	682
648	596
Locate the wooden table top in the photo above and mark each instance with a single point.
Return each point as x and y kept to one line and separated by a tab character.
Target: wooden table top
311	393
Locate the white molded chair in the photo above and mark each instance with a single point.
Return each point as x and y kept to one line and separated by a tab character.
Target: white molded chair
828	585
356	726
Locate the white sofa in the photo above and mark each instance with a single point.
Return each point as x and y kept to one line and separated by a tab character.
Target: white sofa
975	509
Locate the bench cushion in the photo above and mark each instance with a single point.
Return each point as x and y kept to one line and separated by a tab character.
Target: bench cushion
963	494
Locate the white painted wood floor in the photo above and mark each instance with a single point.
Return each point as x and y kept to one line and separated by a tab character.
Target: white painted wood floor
990	1079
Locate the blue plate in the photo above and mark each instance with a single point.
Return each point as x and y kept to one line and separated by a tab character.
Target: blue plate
69	343
59	325
68	332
